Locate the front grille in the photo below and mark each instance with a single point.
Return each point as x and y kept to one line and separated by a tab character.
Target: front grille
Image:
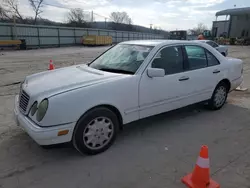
24	100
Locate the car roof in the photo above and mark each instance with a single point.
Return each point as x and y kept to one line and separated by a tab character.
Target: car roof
158	42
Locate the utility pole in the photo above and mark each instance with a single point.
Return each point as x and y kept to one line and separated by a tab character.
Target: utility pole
92	16
105	23
14	21
151	25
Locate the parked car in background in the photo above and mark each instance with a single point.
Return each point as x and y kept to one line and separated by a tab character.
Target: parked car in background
178	35
221	48
87	104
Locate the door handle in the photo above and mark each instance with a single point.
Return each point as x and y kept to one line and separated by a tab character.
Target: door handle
183	78
216	71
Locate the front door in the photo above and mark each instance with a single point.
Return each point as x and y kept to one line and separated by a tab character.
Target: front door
158	95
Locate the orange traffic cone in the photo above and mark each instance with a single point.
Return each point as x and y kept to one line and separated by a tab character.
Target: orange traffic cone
51	65
200	176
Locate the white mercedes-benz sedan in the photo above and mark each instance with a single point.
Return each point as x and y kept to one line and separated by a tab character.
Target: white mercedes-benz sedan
87	104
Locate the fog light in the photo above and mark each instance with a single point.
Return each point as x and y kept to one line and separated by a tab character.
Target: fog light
61	133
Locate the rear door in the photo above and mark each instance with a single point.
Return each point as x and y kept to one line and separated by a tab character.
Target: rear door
203	71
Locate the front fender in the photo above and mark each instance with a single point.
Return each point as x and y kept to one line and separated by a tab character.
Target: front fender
70	106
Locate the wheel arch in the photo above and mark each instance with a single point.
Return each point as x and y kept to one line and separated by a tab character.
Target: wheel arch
115	110
227	82
109	107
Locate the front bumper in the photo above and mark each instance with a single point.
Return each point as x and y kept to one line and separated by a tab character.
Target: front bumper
42	135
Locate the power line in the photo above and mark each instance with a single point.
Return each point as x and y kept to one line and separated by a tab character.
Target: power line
63	7
101	16
55	6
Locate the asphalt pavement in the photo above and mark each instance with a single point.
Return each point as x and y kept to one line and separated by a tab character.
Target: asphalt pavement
151	153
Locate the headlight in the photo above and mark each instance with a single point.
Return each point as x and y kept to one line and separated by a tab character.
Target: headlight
42	109
33	109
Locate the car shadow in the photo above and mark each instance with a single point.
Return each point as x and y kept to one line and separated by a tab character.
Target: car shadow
178	114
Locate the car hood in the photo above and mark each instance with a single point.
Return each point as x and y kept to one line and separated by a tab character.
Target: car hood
56	81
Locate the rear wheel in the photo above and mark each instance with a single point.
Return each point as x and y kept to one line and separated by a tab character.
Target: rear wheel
219	96
96	131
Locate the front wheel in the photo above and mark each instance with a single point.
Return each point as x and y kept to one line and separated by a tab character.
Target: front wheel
219	96
96	131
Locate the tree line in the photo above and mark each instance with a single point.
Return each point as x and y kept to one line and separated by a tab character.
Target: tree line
198	29
77	17
10	10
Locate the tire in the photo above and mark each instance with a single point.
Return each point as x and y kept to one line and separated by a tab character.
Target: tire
96	131
219	96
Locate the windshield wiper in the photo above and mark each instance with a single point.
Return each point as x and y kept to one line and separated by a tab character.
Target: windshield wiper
117	70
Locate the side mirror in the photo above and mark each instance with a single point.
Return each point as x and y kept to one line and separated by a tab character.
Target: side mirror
155	72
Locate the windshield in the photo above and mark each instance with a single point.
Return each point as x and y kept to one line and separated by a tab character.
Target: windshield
123	58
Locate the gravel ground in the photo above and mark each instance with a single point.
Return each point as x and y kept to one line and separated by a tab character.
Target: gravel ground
154	152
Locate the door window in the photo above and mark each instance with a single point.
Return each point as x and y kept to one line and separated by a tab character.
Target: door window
196	57
170	59
211	60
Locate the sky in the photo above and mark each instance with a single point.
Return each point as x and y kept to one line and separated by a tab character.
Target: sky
166	14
